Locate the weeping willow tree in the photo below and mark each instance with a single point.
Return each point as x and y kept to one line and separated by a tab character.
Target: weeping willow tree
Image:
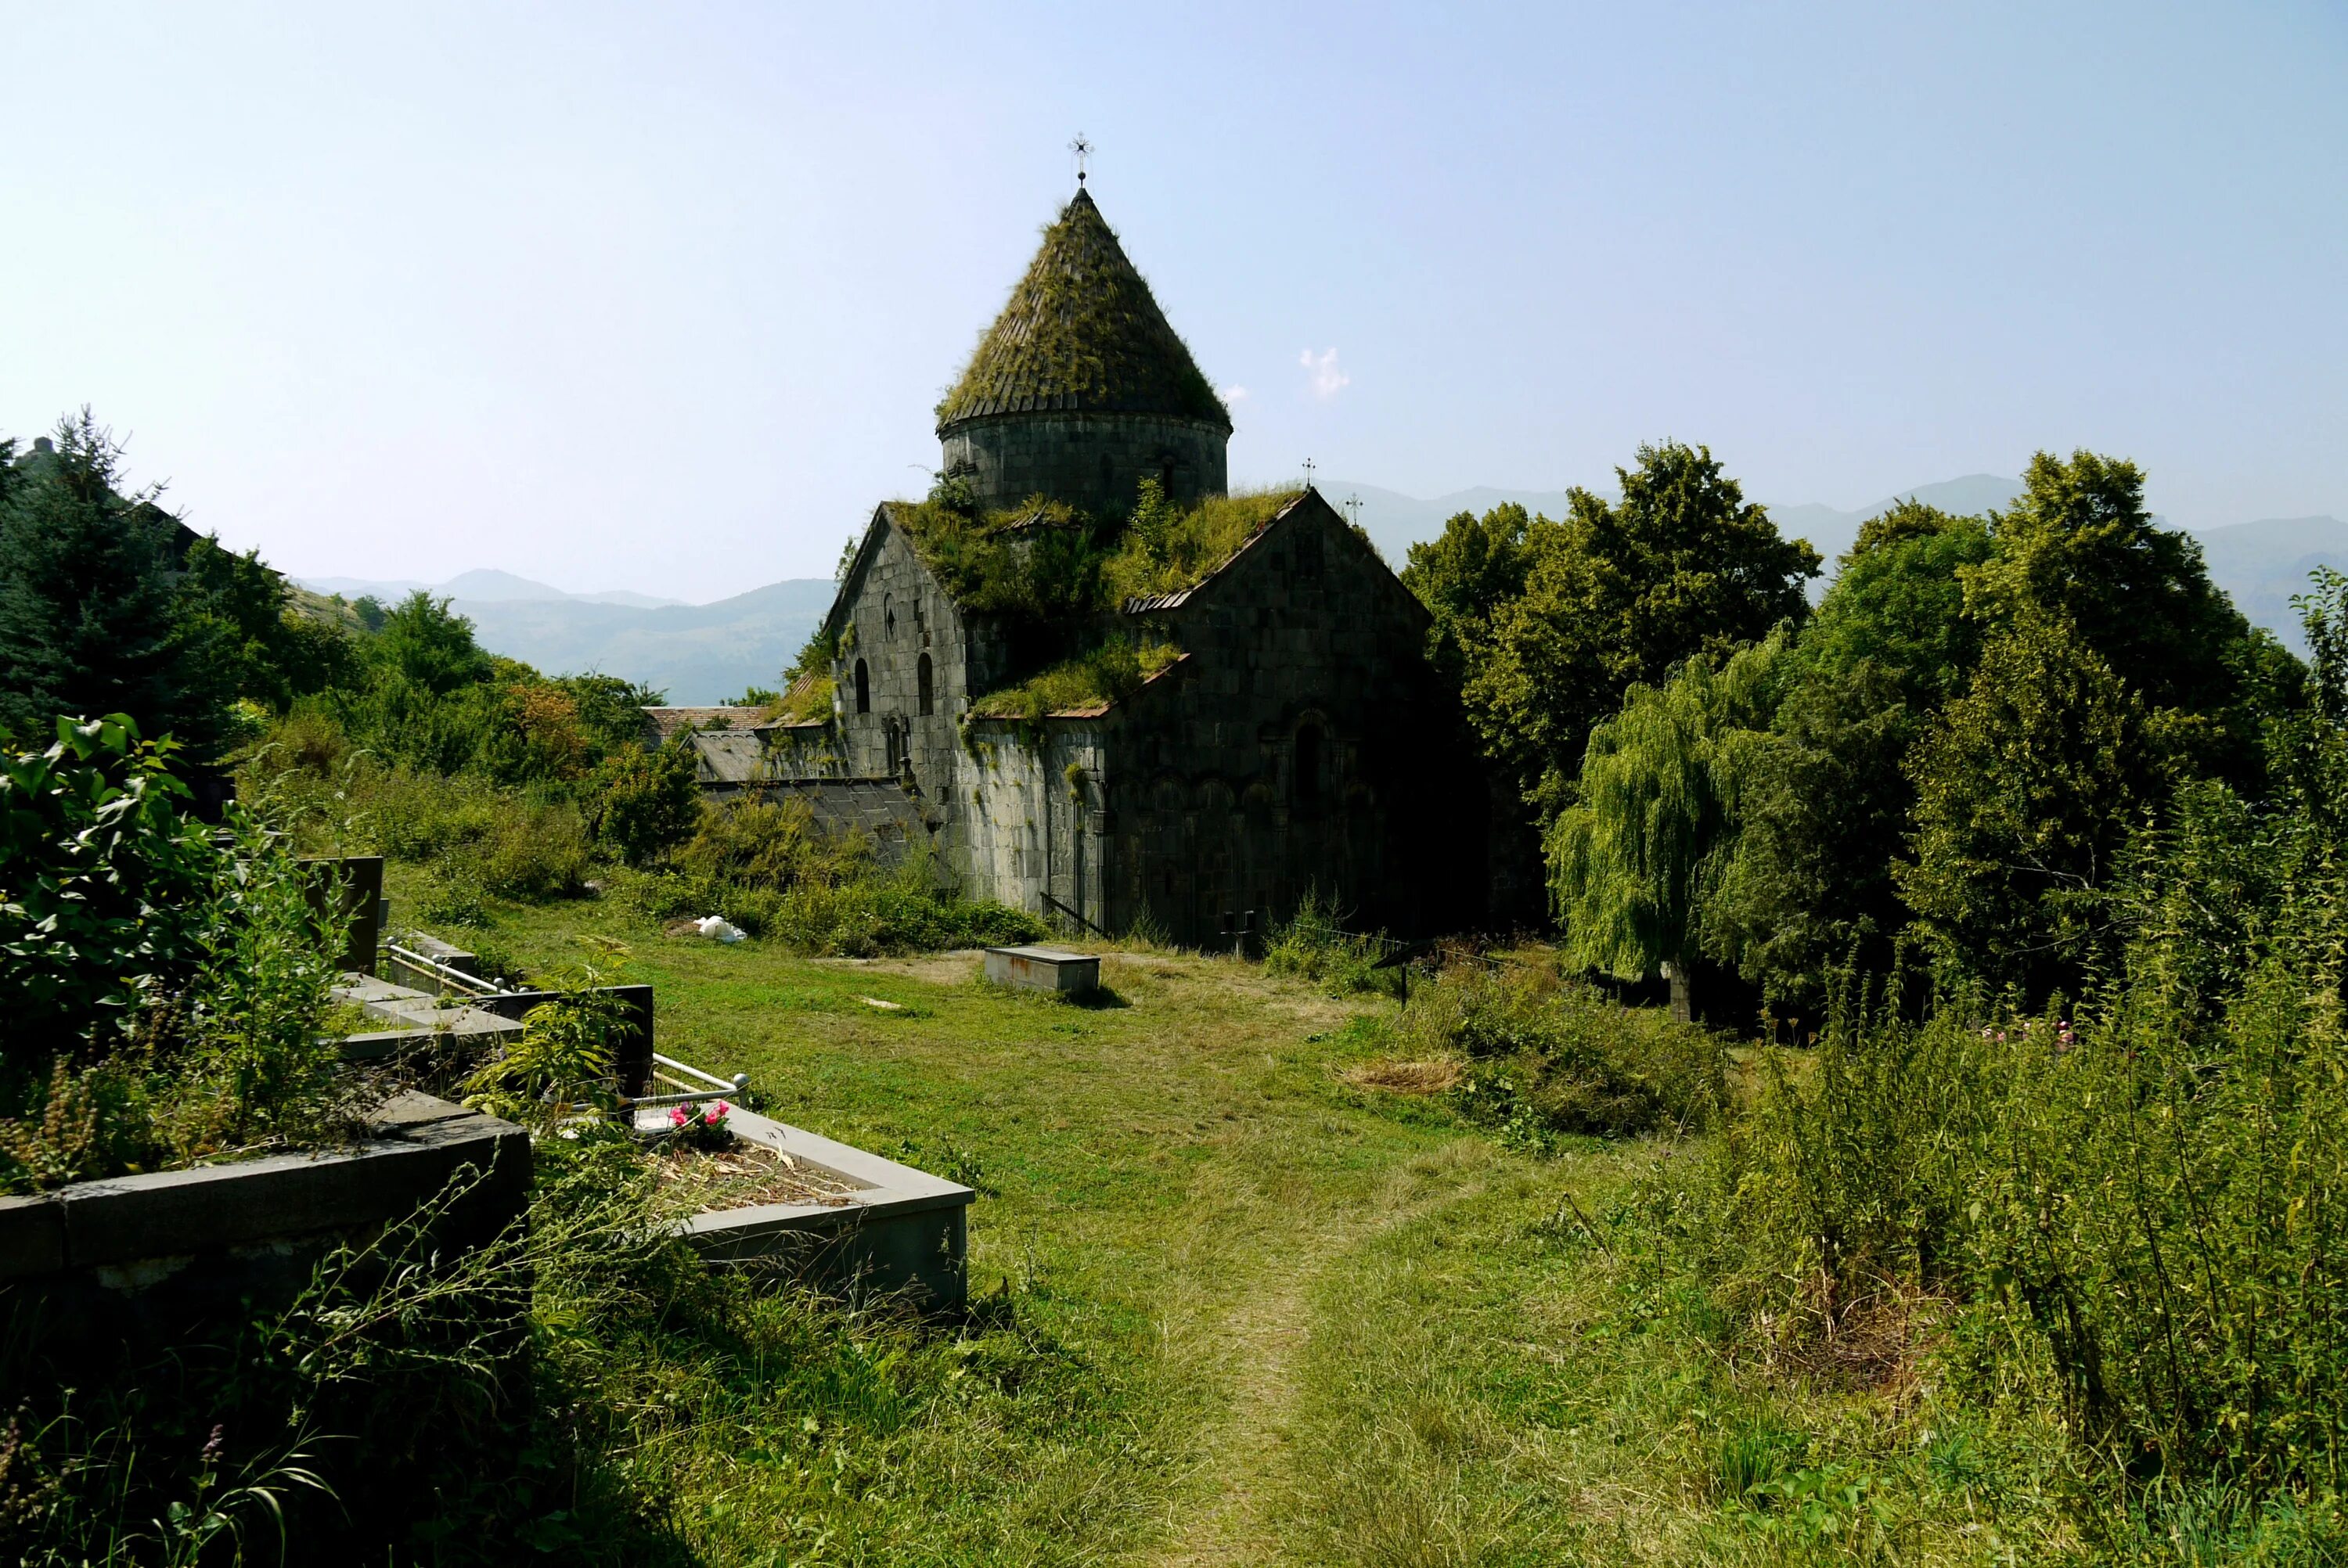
1649	832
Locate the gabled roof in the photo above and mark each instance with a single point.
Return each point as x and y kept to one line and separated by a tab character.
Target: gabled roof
1309	500
1082	334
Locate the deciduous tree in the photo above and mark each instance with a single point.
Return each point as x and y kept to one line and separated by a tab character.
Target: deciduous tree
1620	593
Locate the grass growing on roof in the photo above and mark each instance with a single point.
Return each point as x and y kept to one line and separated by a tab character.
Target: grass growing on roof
1114	670
1043	560
809	701
1081	331
1166	548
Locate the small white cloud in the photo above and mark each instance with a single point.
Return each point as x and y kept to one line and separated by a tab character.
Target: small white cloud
1234	394
1328	381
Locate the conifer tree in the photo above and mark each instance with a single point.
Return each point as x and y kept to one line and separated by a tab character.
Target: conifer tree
88	620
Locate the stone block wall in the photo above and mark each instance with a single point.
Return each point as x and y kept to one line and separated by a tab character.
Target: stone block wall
1027	819
1304	743
1096	461
897	622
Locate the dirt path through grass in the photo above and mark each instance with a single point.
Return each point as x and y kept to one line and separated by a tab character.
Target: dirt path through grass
1188	1214
1251	1472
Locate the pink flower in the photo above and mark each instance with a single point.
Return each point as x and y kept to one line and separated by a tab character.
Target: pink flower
720	1109
677	1117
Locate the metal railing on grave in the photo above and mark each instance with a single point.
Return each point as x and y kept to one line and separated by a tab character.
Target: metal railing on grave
640	1069
693	1087
444	976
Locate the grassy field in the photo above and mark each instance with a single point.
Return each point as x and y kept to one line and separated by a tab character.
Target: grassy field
1235	1307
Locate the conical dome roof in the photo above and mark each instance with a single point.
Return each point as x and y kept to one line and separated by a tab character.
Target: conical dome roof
1082	334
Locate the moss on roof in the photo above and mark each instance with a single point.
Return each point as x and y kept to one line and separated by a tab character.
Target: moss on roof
1080	687
1046	560
1165	551
1082	334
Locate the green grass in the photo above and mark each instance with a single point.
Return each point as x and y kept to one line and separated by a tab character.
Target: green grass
1234	1308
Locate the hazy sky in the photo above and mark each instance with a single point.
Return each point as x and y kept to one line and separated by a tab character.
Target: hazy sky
662	297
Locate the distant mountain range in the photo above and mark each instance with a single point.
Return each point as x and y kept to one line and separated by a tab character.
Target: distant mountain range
696	654
478	588
703	653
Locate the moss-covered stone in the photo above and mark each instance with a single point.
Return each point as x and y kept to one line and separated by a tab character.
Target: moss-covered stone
1081	332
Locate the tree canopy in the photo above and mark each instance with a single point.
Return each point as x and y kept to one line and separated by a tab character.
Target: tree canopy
89	620
1550	623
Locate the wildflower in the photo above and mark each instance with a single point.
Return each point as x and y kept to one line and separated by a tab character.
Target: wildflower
214	1443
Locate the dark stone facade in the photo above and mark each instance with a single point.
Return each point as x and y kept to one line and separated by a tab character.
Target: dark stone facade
1302	743
1094	461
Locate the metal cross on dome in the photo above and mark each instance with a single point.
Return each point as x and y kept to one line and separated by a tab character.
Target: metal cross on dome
1084	151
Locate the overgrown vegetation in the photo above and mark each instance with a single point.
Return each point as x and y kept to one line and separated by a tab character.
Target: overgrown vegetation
1956	750
765	866
1082	331
169	977
1313	943
555	1392
1109	672
1045	560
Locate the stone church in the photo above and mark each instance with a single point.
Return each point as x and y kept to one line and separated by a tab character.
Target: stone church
1285	735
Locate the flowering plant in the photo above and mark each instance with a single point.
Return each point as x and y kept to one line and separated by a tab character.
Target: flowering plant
703	1126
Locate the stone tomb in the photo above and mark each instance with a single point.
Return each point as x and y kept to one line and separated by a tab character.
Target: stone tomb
893	1231
1044	969
152	1259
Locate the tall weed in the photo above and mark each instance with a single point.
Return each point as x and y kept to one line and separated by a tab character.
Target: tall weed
2132	1210
1315	945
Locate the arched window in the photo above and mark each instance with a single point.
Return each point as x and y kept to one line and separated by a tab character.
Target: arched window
1308	763
921	674
863	688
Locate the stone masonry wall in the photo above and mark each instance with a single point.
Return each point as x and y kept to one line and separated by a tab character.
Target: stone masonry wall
1304	743
896	617
1029	818
1096	461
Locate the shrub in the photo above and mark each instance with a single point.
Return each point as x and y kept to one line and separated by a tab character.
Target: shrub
771	846
1315	945
769	868
2134	1205
563	1061
174	1030
105	888
642	803
1544	1057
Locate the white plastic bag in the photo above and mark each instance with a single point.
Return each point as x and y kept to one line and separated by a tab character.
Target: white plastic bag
720	929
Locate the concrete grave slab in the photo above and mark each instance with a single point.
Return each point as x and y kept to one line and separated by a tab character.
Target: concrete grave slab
1044	969
902	1232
